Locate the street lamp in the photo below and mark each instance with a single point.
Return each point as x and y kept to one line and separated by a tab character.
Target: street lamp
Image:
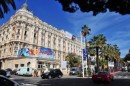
82	56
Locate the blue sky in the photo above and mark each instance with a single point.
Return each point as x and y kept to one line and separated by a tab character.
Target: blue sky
114	26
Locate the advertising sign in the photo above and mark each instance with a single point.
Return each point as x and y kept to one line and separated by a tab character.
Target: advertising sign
41	52
68	35
85	54
63	64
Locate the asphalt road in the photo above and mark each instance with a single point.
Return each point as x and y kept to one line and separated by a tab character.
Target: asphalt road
120	79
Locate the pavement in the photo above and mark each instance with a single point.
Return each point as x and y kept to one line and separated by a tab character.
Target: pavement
115	72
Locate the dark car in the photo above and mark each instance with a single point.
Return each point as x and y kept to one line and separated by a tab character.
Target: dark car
4	81
5	73
2	72
52	74
103	77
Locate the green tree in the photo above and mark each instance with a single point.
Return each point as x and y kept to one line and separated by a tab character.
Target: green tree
98	42
73	60
96	6
127	57
4	6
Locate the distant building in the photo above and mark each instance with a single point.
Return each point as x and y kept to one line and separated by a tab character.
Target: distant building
25	40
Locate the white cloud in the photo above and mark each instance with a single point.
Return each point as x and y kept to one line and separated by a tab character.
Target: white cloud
114	26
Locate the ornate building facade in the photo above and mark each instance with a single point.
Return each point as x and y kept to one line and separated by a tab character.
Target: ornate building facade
24	30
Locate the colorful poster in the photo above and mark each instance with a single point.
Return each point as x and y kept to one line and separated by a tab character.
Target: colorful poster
42	52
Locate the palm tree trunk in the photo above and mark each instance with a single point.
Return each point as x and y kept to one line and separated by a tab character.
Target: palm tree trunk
115	64
97	62
88	62
107	65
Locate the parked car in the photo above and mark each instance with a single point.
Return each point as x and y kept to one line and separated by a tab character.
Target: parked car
5	73
4	81
102	77
14	72
52	74
128	69
24	71
73	71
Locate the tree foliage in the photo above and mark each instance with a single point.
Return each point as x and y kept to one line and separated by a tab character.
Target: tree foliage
127	57
85	31
96	6
4	6
73	60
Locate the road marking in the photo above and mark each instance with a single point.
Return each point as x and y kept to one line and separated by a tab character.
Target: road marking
125	77
28	84
46	84
119	76
11	78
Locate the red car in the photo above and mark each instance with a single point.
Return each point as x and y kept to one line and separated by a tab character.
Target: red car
103	77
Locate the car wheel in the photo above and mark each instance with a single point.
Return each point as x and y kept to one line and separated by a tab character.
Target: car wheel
49	77
109	80
43	78
59	76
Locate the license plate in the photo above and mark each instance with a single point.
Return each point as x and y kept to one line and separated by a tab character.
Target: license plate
99	77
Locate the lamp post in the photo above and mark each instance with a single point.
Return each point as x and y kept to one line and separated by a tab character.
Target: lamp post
82	56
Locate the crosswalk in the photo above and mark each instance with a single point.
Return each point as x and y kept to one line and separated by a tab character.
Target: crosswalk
122	77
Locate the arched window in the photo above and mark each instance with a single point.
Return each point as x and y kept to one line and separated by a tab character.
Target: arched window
28	64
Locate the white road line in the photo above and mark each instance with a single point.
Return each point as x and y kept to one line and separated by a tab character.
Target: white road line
125	77
119	76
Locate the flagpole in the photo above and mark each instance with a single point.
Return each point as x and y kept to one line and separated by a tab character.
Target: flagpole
82	55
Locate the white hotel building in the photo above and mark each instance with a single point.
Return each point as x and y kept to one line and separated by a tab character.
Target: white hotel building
24	30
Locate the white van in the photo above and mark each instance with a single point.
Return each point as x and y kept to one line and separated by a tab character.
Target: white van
24	71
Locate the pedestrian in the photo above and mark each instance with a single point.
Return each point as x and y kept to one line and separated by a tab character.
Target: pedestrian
35	73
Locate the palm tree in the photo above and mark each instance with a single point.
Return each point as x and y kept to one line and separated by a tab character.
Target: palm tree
86	31
4	6
116	56
98	42
108	53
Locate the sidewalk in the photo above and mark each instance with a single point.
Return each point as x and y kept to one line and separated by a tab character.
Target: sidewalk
115	72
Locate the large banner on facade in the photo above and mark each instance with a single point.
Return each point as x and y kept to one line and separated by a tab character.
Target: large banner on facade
41	52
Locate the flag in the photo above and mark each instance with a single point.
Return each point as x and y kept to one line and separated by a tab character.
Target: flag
85	54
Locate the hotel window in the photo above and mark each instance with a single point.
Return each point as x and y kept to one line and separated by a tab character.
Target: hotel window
16	65
17	37
3	32
25	33
22	65
18	32
4	50
13	35
7	30
39	64
6	36
42	41
20	16
34	35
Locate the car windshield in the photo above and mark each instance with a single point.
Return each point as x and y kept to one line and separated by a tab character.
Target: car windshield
103	73
73	69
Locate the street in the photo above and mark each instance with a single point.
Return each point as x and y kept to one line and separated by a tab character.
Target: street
120	79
